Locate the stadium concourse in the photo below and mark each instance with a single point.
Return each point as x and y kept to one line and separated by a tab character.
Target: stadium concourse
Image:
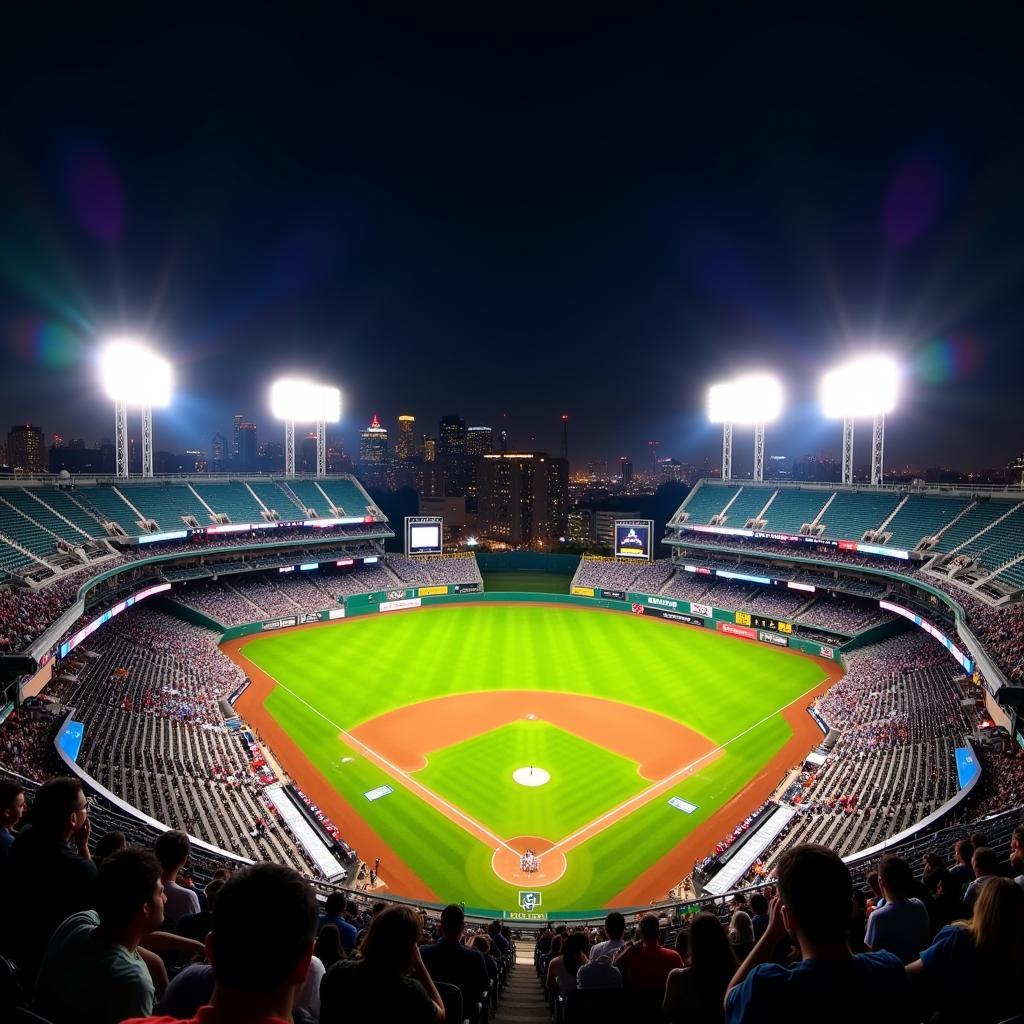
163	757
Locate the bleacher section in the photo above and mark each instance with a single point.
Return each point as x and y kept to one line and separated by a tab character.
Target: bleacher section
975	519
231	499
1001	542
112	507
275	499
791	508
24	531
922	517
309	494
44	515
167	504
747	505
346	494
708	501
851	513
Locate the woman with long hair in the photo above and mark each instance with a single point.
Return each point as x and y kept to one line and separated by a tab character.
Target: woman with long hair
562	969
328	946
974	970
741	934
387	981
696	993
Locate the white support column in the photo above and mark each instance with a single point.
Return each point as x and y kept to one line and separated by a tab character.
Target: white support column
848	450
321	449
121	438
726	451
877	449
758	452
289	449
147	441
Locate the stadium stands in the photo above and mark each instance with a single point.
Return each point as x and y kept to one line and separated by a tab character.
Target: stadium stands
420	572
708	501
920	517
853	513
791	508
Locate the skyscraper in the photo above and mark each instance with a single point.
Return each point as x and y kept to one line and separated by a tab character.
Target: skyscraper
373	445
26	449
218	451
429	449
626	471
405	444
248	449
236	446
523	497
479	440
451	438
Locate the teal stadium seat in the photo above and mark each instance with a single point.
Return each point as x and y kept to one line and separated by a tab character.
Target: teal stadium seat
792	508
1001	543
112	507
748	504
274	498
346	493
707	501
232	499
851	513
974	520
309	494
166	504
922	516
22	500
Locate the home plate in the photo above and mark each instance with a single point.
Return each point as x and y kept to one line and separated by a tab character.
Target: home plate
531	776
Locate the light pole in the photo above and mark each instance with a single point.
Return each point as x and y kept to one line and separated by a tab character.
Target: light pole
866	387
299	401
133	375
755	399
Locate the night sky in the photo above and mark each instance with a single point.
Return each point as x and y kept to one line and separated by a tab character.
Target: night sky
498	211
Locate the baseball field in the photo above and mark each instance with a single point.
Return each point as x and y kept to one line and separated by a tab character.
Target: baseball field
449	741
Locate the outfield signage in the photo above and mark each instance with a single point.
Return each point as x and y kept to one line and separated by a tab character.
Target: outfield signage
584	591
633	538
744	631
665	613
467	588
278	623
701	609
336	613
772	638
615	595
396	595
662	602
431	591
395	606
827	652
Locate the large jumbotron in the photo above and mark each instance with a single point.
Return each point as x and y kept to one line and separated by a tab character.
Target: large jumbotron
243	658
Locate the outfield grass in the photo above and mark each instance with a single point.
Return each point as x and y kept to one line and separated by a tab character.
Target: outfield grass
476	776
353	671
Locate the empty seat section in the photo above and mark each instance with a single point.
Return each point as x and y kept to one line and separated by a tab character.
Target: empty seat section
974	519
62	503
708	501
922	517
348	495
166	503
274	498
44	516
109	504
12	558
1014	575
748	504
25	532
1003	542
310	496
853	512
233	500
792	508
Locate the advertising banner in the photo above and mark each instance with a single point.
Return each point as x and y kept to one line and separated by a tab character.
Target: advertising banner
467	588
583	591
615	595
701	609
394	606
431	591
664	613
827	652
633	538
744	631
772	638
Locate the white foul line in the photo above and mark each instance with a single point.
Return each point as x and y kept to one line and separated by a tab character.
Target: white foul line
674	775
410	782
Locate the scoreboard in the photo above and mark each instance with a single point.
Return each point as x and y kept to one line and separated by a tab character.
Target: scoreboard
762	622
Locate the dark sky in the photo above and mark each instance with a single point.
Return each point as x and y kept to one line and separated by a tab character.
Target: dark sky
501	210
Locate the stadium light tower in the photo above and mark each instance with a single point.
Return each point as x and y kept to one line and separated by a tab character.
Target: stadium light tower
134	375
754	399
867	386
299	401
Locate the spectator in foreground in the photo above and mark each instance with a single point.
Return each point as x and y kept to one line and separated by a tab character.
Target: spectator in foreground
562	969
328	946
901	926
449	961
109	844
646	964
741	934
334	913
49	872
973	969
961	870
986	867
813	905
614	929
12	808
172	850
388	982
275	907
694	994
759	914
93	969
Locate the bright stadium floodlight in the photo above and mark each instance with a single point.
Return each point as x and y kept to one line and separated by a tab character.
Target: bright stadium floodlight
868	386
299	401
134	375
753	399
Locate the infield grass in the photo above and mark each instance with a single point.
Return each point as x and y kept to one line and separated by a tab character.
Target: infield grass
337	676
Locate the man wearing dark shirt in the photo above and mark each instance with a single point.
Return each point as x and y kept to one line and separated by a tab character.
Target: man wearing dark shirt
333	910
12	807
448	960
830	983
49	874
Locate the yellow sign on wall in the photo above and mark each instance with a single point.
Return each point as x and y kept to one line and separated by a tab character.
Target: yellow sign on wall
743	618
584	591
430	591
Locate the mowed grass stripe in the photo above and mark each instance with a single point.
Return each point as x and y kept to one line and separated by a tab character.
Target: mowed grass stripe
356	670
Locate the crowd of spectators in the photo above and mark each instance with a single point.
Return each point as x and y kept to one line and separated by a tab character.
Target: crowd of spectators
427	571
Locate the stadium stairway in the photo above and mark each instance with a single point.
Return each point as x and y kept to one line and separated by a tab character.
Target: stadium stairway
522	1001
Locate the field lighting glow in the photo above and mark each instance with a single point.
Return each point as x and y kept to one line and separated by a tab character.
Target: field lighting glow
135	375
755	398
868	386
300	401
